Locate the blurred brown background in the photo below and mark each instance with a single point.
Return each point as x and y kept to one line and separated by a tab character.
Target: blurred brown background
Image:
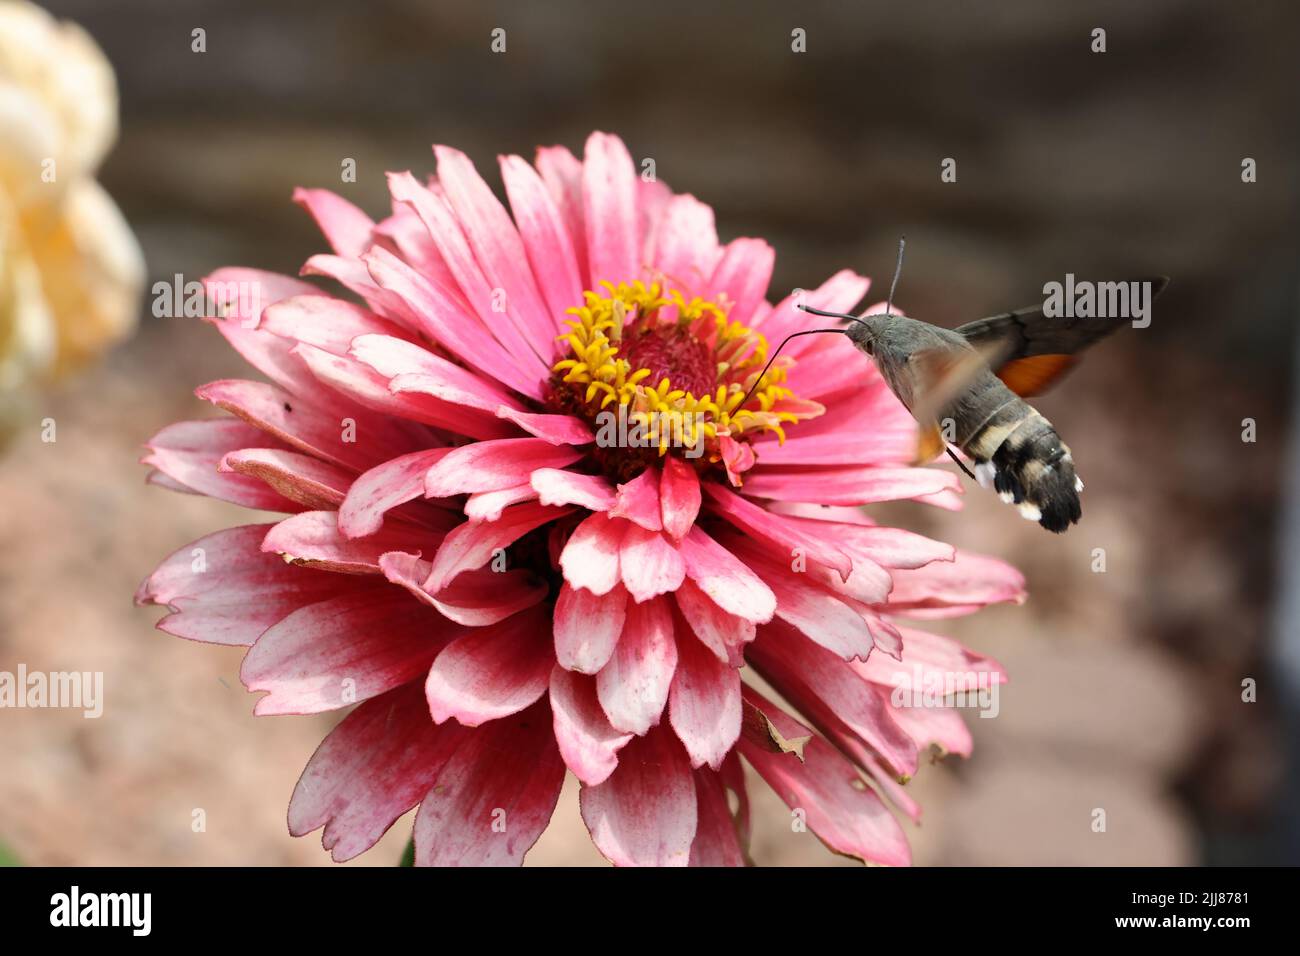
1126	685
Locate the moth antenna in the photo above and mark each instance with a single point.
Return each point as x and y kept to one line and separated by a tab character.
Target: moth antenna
898	270
792	335
831	315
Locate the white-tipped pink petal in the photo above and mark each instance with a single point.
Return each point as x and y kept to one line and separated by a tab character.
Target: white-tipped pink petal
588	743
722	633
383	488
352	647
725	579
638	501
313	539
633	687
492	672
840	808
474	543
371	769
557	487
645	813
679	497
221	589
587	627
494	465
649	564
704	703
590	556
494	797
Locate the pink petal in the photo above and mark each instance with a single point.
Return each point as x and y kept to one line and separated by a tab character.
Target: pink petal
354	275
492	800
645	813
308	427
725	579
383	488
562	173
850	486
494	465
633	686
556	429
337	652
841	809
590	556
932	656
839	293
491	505
716	841
649	564
704	703
781	535
818	682
638	501
371	769
223	590
475	598
189	453
393	357
742	275
326	322
588	744
556	487
609	210
939	726
946	588
830	619
587	627
685	245
472	544
448	320
498	248
492	672
679	497
345	226
724	634
416	397
313	539
509	328
308	481
546	237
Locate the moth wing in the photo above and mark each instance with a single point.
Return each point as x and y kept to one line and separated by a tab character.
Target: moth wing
940	375
929	443
1036	350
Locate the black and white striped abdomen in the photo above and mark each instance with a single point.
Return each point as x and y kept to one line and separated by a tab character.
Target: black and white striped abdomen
1018	452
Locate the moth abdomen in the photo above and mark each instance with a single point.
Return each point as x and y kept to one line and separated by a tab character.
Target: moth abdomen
1028	465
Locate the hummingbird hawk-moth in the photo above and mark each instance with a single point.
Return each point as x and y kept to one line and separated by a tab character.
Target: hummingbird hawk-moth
967	387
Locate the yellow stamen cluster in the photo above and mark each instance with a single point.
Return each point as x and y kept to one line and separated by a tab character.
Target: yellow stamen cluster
597	362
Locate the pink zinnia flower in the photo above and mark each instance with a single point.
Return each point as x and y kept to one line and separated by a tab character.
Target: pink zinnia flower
503	595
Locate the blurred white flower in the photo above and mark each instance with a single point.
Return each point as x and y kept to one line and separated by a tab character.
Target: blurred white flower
71	272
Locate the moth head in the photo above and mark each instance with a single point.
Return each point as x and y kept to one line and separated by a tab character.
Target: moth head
863	335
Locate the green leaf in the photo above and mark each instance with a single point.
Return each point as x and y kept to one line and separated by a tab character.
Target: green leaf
7	857
408	855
